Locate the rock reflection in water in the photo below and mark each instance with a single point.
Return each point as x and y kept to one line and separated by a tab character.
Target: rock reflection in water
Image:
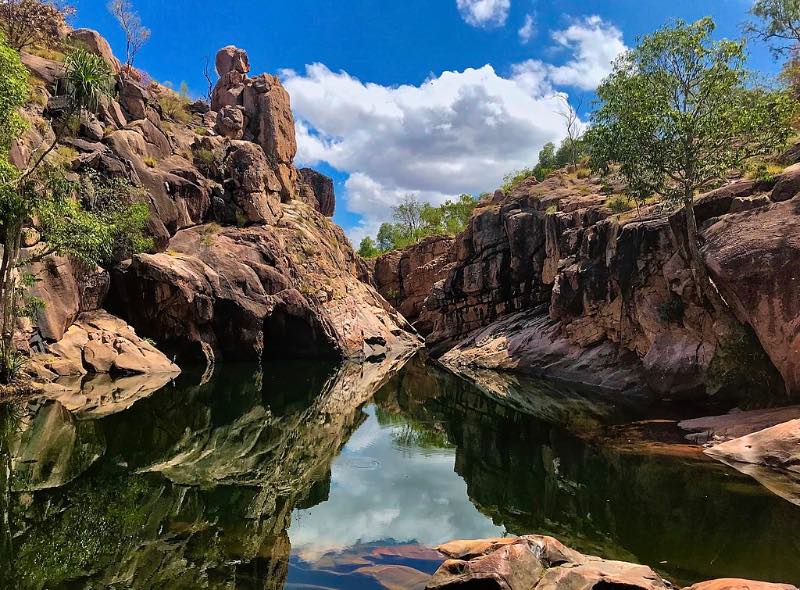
339	476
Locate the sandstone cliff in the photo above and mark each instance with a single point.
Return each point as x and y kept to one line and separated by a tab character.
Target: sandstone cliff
247	263
548	280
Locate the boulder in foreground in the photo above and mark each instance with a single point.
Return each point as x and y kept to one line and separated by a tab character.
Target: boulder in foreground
543	563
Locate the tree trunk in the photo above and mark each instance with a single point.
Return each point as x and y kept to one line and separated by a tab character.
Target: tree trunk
8	285
705	287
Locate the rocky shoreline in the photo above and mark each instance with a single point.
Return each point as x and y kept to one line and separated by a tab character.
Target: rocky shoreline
543	563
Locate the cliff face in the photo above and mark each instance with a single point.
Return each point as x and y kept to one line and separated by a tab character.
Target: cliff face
547	280
247	263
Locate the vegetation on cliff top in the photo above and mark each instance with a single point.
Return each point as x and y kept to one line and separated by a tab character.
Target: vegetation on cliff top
415	221
677	116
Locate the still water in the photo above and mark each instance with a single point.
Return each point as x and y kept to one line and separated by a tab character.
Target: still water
315	476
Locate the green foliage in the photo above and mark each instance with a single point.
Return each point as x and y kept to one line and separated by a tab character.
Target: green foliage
777	23
33	24
88	79
619	204
173	104
415	221
677	114
367	248
123	209
550	159
12	361
763	171
14	91
672	310
101	225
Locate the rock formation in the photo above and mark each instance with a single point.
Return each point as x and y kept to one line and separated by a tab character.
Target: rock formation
542	563
548	280
246	263
404	277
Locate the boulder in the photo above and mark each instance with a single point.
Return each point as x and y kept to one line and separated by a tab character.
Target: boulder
788	184
230	122
268	119
93	42
754	259
316	189
68	290
241	293
534	562
46	70
772	456
232	58
739	584
100	343
252	183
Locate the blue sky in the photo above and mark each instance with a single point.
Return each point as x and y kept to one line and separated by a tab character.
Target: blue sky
431	97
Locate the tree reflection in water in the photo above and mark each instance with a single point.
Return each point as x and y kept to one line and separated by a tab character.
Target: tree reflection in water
198	485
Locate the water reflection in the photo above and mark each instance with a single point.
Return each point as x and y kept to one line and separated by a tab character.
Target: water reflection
339	477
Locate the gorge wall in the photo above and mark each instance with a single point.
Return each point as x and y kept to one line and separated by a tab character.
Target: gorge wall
548	280
247	263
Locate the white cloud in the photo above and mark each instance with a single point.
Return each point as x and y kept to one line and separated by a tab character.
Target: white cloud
528	29
460	132
594	44
484	13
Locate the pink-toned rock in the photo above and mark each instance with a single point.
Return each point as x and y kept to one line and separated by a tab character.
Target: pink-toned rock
240	293
230	59
230	122
101	343
739	584
93	42
316	189
253	185
534	562
772	456
754	258
406	277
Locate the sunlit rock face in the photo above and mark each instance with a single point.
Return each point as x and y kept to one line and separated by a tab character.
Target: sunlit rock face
547	280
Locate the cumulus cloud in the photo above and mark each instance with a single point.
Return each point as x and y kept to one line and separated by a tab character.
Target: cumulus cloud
459	132
528	29
484	13
594	44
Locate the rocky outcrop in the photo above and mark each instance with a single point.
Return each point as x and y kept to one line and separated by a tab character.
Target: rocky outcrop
265	108
771	456
93	42
317	190
754	257
543	563
243	293
246	264
100	343
616	290
405	277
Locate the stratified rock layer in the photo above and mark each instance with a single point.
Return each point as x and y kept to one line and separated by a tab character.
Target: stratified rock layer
548	280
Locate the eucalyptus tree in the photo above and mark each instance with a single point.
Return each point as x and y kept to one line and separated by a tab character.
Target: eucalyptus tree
678	115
